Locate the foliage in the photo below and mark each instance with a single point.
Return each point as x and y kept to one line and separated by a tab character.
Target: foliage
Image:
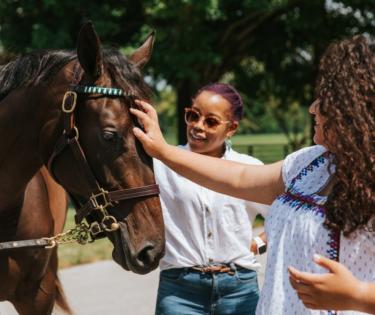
30	24
165	100
269	49
293	121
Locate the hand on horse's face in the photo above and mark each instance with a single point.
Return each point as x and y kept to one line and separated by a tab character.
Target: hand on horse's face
151	137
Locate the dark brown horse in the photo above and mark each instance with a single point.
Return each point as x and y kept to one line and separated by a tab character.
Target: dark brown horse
98	150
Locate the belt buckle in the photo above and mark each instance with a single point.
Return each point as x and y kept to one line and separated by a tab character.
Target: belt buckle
215	268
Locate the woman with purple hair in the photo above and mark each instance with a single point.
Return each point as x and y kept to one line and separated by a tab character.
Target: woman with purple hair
208	267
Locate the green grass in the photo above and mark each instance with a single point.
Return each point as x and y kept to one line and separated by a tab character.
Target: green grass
274	138
259	221
75	254
266	147
256	139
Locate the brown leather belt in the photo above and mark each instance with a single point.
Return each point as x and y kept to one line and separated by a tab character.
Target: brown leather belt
214	269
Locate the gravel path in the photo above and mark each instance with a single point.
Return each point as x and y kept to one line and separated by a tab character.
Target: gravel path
105	288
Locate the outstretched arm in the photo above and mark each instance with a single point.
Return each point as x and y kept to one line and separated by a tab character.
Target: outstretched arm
337	290
259	183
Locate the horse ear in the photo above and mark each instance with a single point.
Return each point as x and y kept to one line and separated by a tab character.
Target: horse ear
143	54
89	51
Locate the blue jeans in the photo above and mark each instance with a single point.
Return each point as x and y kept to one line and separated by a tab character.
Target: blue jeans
186	292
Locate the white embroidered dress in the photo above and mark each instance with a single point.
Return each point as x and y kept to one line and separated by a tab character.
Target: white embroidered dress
295	232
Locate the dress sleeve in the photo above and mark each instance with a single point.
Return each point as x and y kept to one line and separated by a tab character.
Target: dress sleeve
296	161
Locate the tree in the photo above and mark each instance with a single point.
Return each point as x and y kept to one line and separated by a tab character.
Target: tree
205	40
271	48
31	24
290	61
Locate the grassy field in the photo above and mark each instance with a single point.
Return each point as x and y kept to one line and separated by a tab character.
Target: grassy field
268	148
274	138
260	139
75	254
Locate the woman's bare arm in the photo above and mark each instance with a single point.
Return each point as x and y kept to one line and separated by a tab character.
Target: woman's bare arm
259	183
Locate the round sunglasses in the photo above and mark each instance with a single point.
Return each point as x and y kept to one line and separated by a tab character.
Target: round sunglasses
210	123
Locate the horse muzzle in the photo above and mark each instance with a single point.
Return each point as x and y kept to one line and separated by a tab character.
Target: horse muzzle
140	258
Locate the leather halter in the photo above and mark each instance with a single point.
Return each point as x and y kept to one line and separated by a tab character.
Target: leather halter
100	199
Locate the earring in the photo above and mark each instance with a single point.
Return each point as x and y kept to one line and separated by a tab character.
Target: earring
228	144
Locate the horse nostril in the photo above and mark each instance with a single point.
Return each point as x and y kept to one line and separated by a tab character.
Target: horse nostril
147	255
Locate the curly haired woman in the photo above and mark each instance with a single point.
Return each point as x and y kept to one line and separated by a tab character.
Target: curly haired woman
323	197
346	90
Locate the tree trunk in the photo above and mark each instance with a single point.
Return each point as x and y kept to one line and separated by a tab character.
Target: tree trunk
318	49
185	92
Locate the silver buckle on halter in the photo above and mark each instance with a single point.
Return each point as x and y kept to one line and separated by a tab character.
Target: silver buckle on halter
100	200
95	229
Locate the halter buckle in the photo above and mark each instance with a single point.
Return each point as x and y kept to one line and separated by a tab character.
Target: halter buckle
95	229
68	95
100	200
73	133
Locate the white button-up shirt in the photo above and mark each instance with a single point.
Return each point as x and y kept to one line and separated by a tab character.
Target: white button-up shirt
203	226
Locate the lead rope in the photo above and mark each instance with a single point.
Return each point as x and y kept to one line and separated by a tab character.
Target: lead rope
79	234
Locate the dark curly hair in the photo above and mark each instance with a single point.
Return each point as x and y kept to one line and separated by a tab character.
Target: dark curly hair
346	90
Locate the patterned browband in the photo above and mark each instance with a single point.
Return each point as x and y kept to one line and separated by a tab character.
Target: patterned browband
86	89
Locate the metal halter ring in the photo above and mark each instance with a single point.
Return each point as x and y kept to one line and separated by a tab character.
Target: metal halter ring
76	133
73	105
110	224
52	243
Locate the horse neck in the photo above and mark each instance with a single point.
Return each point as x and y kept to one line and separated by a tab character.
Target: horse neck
20	125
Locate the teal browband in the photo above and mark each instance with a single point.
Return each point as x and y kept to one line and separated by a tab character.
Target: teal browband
85	89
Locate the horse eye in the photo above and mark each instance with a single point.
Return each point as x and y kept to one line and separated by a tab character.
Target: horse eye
110	136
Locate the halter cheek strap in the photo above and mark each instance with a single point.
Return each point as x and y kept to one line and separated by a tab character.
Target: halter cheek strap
100	199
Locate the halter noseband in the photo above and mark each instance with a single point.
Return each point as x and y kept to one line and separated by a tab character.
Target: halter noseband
100	199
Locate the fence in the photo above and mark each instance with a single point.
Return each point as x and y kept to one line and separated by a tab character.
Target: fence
267	153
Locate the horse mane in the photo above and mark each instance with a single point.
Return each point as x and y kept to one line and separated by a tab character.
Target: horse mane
31	68
38	66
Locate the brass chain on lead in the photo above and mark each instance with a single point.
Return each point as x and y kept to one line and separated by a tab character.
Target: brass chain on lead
80	234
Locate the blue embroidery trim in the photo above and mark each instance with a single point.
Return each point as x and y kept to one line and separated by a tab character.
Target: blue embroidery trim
309	168
298	200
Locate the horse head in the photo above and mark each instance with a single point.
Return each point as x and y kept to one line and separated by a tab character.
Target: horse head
97	158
